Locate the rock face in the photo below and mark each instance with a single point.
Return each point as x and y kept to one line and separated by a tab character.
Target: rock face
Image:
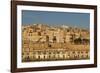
42	37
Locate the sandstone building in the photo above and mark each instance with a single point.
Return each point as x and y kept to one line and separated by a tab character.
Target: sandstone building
43	42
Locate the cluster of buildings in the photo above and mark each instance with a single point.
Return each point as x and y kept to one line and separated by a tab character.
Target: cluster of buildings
44	42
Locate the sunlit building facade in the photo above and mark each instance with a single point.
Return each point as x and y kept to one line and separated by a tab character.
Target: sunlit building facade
44	43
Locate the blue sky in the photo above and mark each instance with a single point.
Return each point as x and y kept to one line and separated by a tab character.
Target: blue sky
56	18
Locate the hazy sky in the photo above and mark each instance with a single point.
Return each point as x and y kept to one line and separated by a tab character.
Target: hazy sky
56	18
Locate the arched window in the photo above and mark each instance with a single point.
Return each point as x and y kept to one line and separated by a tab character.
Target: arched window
63	56
38	56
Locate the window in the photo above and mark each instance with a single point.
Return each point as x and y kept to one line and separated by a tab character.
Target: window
81	52
54	39
44	57
30	31
73	52
38	57
86	52
49	52
30	34
39	33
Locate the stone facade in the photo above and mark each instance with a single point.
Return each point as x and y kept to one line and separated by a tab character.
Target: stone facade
43	42
55	54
